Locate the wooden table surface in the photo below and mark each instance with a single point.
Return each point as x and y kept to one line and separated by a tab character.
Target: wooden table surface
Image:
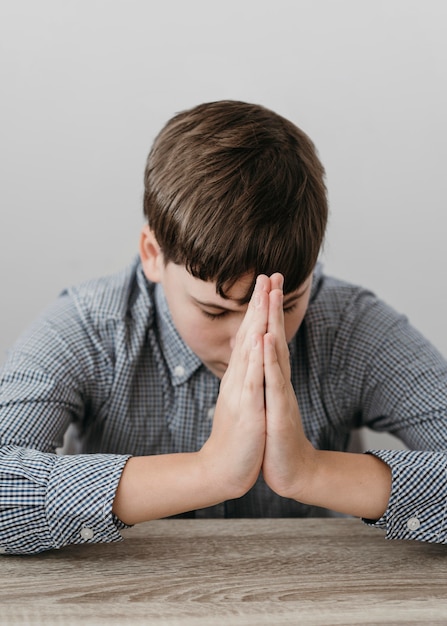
235	572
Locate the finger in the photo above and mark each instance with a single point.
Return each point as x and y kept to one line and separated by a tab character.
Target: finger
277	386
277	281
275	382
256	317
254	323
252	397
276	314
277	328
270	356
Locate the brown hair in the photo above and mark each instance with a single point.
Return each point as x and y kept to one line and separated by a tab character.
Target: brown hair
233	188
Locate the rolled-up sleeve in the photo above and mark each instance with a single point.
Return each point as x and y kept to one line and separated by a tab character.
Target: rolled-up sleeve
417	508
49	501
58	373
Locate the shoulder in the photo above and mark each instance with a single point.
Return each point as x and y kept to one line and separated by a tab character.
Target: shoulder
338	305
331	296
96	316
107	315
118	297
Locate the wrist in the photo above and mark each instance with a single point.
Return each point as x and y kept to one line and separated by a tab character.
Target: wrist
353	484
293	480
220	477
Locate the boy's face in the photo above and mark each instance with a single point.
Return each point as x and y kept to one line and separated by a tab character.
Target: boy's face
208	323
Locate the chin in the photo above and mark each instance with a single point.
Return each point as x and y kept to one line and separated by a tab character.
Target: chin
217	369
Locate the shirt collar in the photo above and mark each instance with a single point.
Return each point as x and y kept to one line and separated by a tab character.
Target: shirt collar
182	362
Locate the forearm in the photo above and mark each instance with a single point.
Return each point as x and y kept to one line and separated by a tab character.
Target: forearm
230	461
354	484
49	501
158	486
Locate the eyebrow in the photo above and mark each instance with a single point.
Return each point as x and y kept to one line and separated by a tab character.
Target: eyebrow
218	307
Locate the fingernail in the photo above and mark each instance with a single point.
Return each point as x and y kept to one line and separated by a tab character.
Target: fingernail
254	341
257	300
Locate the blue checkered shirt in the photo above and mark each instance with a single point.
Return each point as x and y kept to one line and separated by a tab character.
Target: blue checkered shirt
106	359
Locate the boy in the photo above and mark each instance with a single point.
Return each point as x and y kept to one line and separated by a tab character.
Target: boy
222	373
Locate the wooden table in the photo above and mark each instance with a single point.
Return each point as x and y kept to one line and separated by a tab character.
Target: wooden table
235	572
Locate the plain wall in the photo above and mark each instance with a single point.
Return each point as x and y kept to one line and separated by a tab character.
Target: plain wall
86	85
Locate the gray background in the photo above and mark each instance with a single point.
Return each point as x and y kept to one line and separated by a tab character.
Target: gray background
86	85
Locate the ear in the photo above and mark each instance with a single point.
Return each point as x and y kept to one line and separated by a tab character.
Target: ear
151	255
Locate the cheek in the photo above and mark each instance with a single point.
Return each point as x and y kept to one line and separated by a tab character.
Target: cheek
197	331
210	338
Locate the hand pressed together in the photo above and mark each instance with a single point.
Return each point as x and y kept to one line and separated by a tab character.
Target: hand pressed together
235	449
257	424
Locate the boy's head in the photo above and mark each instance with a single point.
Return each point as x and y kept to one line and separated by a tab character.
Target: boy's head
233	189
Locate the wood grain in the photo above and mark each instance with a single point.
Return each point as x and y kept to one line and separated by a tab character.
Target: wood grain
236	572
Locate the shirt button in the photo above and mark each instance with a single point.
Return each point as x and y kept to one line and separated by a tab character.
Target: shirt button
210	413
87	533
413	523
179	370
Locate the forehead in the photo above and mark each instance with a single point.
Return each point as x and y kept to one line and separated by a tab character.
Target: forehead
182	283
206	290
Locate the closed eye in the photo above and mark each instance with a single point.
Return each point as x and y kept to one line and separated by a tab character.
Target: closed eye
214	316
222	314
290	308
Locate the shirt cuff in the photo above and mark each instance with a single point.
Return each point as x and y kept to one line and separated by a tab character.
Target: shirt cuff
48	501
417	507
80	494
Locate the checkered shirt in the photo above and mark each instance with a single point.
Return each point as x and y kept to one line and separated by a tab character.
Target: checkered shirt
106	360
